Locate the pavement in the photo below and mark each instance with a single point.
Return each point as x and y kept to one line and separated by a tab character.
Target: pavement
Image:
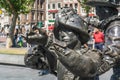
18	60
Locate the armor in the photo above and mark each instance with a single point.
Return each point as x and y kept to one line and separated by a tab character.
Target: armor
110	21
69	31
112	40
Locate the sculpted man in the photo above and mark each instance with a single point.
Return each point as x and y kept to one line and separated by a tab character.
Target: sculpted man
70	34
107	10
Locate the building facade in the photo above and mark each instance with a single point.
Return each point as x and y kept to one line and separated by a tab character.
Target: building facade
72	3
36	15
55	5
4	18
42	12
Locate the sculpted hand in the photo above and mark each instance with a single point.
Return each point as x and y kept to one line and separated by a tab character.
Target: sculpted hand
80	64
36	38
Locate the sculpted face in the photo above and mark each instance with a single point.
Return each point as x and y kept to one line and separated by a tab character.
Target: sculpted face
67	38
68	20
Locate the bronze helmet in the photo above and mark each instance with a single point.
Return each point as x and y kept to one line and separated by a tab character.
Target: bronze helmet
68	19
109	3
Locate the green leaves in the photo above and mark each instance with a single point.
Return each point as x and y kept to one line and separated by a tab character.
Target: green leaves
83	4
26	6
17	6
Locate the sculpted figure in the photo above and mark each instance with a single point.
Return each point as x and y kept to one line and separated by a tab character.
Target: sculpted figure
110	23
39	56
70	34
111	55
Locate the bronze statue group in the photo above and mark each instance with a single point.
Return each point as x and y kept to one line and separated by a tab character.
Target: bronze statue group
65	57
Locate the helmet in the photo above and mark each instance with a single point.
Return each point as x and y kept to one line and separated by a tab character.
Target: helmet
68	19
105	8
105	12
109	3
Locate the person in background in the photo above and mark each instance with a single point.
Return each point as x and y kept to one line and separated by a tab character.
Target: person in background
20	41
98	37
7	29
15	38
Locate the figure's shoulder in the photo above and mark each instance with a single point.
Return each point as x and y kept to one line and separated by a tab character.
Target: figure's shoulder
105	23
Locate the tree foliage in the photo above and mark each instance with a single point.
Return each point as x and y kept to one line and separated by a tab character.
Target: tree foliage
17	6
83	4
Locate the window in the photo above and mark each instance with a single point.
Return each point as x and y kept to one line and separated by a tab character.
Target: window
34	5
53	6
41	16
20	16
71	5
53	15
38	16
59	5
76	5
48	6
66	0
38	2
33	16
41	5
83	10
66	5
26	16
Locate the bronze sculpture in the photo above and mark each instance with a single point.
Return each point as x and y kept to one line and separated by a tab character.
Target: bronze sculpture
84	64
67	46
109	22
